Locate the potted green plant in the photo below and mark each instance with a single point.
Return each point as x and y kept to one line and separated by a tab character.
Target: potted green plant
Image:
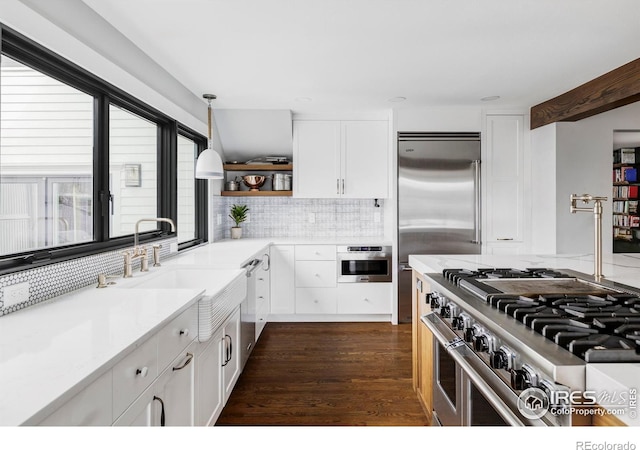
238	215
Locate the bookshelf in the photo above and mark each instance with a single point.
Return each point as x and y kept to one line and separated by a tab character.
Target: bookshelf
625	210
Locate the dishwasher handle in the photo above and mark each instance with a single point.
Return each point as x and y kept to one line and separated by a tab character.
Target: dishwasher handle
251	266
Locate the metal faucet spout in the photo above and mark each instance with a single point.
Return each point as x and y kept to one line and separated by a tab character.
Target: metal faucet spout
156	219
597	238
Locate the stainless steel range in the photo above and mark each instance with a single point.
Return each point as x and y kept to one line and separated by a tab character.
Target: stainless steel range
512	345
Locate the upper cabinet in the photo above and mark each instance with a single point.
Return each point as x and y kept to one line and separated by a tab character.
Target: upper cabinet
341	159
504	186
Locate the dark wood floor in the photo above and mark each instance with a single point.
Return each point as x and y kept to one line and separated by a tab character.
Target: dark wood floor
327	374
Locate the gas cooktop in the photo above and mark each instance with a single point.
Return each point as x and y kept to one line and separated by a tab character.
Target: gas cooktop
595	322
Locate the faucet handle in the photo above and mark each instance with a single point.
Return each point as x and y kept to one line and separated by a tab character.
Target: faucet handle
156	255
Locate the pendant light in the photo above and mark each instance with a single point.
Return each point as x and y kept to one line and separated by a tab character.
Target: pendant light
209	164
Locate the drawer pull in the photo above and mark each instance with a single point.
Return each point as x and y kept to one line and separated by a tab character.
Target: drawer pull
186	363
184	332
142	372
504	239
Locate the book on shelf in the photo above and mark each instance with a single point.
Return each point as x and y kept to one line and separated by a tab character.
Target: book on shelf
627	155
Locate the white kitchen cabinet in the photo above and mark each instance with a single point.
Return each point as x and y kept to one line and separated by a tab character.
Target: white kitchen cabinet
174	390
316	300
316	274
282	279
209	382
504	183
364	298
169	401
341	159
134	374
90	407
217	370
231	353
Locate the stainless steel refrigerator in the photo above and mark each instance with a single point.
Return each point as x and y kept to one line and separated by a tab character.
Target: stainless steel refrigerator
438	201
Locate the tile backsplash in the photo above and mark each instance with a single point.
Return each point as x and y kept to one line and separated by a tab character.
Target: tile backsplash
292	217
56	279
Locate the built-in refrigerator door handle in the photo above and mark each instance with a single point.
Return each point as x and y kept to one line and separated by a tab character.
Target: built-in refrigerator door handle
476	210
405	267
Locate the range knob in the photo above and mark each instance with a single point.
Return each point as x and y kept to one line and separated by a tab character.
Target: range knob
458	323
524	378
481	343
449	310
503	358
434	300
471	332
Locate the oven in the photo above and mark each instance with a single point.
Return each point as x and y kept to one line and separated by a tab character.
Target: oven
465	392
511	346
364	264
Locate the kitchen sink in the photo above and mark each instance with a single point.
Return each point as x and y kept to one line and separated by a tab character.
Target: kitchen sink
211	280
223	291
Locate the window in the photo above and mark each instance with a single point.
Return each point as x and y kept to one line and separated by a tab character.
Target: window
187	155
133	171
82	161
46	161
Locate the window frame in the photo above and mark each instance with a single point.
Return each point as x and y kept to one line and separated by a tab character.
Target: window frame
31	54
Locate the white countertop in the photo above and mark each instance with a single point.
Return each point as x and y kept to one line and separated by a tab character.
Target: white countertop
620	268
53	350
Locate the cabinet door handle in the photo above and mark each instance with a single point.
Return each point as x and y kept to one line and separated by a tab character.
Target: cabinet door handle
343	186
228	350
338	186
268	260
186	362
184	332
142	372
162	418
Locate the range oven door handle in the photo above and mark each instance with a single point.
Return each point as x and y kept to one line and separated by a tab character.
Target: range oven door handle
463	356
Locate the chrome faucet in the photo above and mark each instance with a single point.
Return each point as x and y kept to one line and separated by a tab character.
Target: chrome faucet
157	219
141	253
597	239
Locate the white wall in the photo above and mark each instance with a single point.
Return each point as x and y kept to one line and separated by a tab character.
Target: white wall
543	195
582	154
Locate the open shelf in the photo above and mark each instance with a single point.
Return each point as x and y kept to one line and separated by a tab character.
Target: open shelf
256	193
257	167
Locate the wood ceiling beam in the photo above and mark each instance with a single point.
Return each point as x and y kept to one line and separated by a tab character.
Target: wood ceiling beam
617	88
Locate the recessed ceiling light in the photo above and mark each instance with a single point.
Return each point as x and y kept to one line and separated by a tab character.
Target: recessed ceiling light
397	99
303	99
490	98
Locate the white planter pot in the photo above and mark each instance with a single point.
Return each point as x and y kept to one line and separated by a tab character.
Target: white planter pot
236	232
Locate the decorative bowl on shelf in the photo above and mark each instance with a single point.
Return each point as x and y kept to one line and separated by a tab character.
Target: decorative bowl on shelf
254	182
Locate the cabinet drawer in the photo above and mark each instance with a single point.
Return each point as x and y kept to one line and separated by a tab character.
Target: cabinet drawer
316	273
175	336
134	374
315	252
363	298
316	301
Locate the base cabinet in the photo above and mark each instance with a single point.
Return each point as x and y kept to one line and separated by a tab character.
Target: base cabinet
217	370
209	381
422	348
283	286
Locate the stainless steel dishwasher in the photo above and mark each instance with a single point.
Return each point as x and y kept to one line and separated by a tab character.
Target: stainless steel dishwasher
248	312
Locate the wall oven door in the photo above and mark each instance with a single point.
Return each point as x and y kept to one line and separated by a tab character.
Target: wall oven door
466	392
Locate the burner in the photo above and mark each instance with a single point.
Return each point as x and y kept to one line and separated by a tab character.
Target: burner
602	348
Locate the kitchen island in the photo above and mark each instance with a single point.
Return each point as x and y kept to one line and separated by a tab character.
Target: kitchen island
617	268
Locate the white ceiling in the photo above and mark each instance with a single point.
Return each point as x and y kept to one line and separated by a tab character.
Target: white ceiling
354	55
